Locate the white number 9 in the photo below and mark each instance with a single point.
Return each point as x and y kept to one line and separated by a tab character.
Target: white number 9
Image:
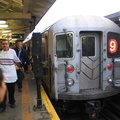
113	45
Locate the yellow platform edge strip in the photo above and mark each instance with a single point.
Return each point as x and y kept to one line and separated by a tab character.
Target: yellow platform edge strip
48	105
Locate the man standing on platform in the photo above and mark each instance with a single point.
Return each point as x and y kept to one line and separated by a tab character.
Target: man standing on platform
8	59
23	56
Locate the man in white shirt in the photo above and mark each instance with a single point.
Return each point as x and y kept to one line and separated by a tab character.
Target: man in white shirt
8	59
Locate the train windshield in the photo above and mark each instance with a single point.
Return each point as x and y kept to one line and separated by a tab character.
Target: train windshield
88	46
64	45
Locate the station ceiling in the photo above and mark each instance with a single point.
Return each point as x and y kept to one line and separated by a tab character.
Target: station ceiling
22	15
115	17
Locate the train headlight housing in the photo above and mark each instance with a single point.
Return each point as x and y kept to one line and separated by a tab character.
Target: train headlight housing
70	82
110	79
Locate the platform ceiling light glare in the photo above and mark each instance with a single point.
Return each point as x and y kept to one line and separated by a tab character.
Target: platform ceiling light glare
3	26
10	34
4	34
2	22
6	31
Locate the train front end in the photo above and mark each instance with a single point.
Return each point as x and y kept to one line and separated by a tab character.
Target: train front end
81	56
83	67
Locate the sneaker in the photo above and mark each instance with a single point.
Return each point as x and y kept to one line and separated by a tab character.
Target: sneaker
12	105
2	109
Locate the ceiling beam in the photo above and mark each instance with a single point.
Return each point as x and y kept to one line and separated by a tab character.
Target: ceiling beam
26	5
15	16
7	7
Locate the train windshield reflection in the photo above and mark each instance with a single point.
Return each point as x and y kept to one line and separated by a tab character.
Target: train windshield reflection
64	46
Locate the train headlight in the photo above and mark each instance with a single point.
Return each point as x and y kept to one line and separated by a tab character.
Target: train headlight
109	79
70	68
70	82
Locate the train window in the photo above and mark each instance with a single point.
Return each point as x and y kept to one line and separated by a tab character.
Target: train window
88	46
64	45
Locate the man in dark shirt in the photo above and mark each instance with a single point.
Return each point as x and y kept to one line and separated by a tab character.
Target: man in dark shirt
23	56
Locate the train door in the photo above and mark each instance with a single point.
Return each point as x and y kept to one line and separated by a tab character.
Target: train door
90	49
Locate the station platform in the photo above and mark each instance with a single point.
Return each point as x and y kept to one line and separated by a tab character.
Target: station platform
25	102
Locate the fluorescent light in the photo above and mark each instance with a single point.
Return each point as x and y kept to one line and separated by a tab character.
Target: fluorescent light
3	26
14	39
4	34
6	31
10	34
2	22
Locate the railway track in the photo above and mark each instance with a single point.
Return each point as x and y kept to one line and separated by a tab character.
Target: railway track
111	111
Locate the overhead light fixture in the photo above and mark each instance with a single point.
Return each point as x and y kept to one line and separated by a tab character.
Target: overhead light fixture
4	34
14	39
6	31
2	26
2	22
10	34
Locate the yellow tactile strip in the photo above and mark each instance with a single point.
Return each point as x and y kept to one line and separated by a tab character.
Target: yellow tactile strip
26	102
48	105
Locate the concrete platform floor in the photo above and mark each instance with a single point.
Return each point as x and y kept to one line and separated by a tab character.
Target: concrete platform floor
25	102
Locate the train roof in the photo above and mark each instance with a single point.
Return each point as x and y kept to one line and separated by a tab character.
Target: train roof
86	22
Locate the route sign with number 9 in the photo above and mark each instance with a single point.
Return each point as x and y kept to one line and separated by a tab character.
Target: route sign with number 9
113	45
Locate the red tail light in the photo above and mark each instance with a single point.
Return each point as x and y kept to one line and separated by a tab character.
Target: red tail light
70	68
110	66
94	115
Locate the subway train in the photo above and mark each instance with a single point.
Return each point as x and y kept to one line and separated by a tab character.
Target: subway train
80	57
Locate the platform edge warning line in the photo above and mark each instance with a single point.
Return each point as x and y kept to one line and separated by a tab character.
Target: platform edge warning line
48	105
